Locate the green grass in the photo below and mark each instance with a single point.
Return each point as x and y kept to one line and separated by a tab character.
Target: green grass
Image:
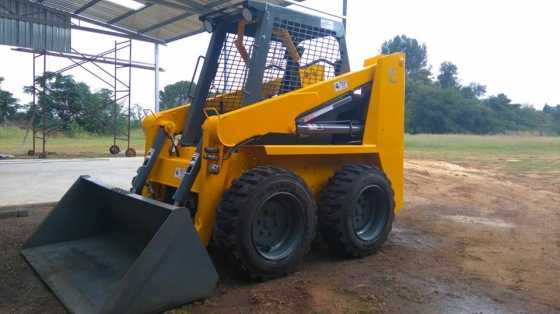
11	142
508	152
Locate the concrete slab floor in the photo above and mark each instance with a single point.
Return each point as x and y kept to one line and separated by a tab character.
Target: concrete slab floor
28	181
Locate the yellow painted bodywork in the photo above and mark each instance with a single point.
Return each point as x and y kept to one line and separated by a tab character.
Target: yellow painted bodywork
382	146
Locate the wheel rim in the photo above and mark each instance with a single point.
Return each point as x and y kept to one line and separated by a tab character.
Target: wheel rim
277	226
370	213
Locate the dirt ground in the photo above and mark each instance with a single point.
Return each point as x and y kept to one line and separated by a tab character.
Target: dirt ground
469	240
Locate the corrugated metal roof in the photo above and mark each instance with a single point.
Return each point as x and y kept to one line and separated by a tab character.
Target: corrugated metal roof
26	24
157	20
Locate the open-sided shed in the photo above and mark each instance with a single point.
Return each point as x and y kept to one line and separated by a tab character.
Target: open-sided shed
160	21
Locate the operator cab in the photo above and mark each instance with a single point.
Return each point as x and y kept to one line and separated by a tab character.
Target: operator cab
258	51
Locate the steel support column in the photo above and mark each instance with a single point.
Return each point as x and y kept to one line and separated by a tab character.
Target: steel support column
156	78
44	108
344	12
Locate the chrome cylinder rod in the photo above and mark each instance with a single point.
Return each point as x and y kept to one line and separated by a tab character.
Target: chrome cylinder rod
329	128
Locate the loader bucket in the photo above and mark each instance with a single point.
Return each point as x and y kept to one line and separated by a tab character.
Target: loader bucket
105	250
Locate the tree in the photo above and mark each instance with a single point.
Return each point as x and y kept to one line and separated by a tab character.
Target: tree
175	94
432	109
8	105
474	90
71	106
136	115
416	55
553	117
445	106
447	77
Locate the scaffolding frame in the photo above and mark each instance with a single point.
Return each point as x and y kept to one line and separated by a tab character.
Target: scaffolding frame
119	80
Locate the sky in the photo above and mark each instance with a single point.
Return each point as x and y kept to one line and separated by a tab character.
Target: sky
511	46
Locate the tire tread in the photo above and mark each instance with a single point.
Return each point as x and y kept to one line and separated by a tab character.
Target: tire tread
331	215
228	213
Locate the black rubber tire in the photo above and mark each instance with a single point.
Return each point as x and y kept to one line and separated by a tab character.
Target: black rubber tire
114	150
239	209
337	210
130	152
137	173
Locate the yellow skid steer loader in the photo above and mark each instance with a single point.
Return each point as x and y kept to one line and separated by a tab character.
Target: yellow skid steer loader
280	139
